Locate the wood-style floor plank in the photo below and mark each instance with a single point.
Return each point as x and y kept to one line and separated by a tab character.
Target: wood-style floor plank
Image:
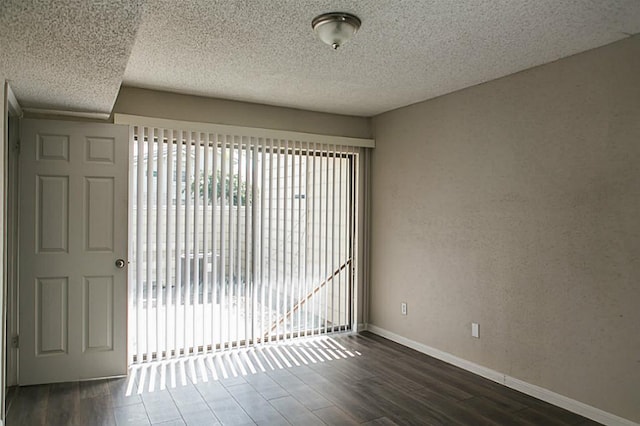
64	403
343	379
485	408
255	405
130	415
29	406
295	412
334	416
96	411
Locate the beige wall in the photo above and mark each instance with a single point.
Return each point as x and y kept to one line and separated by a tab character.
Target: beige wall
516	204
174	106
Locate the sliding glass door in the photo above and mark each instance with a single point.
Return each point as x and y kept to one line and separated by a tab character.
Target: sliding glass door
236	241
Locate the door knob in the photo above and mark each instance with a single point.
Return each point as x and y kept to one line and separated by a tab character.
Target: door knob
120	263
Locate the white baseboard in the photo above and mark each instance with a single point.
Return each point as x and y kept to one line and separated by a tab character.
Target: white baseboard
503	379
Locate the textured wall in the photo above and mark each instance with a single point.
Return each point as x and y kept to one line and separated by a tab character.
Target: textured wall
174	106
516	204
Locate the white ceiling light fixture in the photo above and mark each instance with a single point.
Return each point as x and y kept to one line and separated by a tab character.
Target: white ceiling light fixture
335	28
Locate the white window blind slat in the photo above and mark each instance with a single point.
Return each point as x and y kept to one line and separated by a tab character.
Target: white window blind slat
263	235
178	343
267	256
160	284
186	251
238	282
170	298
215	292
314	266
206	303
223	233
195	189
248	246
285	236
278	242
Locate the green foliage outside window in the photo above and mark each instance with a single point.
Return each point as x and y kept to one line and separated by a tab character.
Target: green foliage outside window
238	196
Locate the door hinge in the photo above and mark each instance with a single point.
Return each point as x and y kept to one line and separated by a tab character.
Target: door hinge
15	341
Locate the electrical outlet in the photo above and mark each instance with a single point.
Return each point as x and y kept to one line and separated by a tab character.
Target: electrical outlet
403	308
475	330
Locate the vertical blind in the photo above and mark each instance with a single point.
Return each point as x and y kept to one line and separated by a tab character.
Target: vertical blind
237	240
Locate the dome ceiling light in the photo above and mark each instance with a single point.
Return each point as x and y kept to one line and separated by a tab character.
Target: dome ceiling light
335	28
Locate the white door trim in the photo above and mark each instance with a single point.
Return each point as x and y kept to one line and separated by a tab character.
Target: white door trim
13	106
12	249
11	109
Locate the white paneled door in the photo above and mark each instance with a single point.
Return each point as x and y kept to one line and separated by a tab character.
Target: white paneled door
73	248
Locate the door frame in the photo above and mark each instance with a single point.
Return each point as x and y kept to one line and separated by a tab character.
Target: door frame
9	313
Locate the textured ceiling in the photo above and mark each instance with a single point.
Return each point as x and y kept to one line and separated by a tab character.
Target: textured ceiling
67	55
405	52
73	54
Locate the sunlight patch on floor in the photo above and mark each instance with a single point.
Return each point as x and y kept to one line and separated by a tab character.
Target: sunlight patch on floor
176	372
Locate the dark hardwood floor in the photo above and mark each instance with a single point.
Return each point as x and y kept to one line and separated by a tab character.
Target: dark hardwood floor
338	380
